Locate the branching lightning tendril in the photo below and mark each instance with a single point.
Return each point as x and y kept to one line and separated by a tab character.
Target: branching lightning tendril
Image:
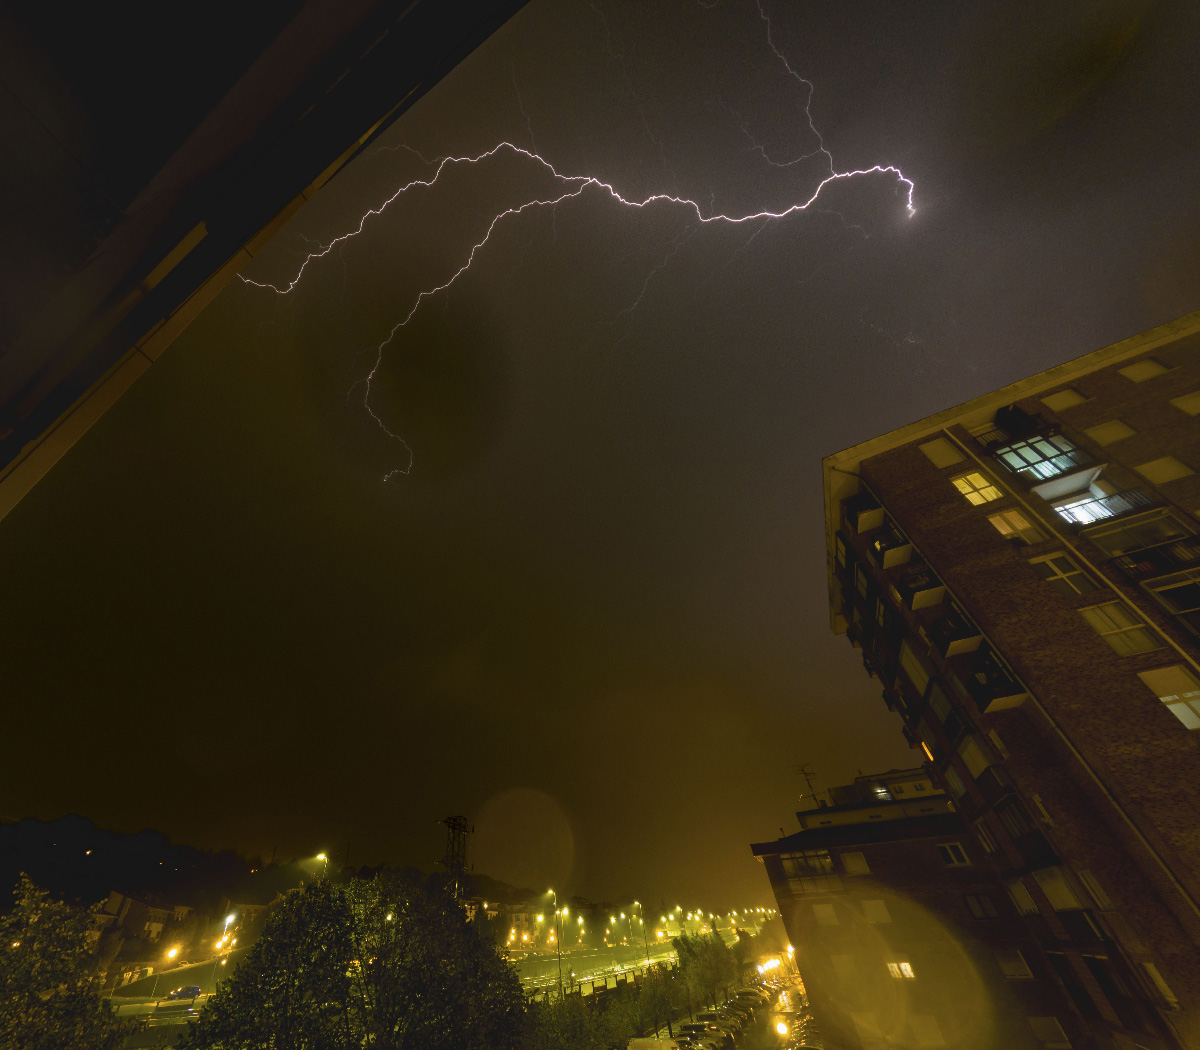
573	187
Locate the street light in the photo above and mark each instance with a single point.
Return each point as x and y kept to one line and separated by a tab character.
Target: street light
558	942
322	856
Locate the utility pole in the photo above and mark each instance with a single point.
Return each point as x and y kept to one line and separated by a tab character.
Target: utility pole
455	860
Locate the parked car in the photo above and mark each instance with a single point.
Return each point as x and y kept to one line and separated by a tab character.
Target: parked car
731	1025
703	1030
188	991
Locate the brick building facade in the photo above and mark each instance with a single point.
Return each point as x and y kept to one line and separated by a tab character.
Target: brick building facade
1022	573
904	935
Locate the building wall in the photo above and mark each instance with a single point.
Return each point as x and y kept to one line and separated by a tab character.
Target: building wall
894	956
1087	785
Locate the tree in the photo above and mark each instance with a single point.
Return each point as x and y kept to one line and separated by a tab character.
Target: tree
380	963
706	965
428	979
46	997
292	989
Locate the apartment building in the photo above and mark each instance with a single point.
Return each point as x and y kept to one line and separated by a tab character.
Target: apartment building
904	935
1022	574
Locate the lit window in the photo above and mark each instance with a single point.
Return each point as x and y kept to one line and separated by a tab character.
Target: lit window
1137	533
1056	402
1140	371
1124	630
1016	528
1013	965
1189	403
1178	688
981	906
1041	458
855	864
1109	433
876	911
1160	471
1063	575
901	970
977	488
1088	508
953	855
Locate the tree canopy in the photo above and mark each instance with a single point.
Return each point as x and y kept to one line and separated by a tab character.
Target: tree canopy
380	963
46	996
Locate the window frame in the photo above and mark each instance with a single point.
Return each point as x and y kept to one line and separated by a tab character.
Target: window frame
988	491
1038	463
951	852
1025	535
985	911
1058	576
1135	625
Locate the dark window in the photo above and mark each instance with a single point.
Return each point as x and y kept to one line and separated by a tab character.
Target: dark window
1015	819
1180	594
981	906
1063	575
1145	530
807	862
953	854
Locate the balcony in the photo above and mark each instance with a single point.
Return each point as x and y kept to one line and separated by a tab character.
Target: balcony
1089	510
862	513
994	783
1159	560
1042	457
1035	851
920	587
890	548
955	633
993	688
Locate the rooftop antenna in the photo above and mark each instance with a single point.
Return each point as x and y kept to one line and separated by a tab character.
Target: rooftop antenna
803	770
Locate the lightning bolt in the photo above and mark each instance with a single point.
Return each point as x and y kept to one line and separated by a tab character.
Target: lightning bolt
572	188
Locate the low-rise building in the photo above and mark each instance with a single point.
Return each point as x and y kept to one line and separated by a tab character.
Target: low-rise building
904	935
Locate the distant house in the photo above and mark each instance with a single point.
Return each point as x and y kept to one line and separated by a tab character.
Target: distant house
135	917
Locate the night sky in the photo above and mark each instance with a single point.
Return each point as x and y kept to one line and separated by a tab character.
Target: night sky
593	615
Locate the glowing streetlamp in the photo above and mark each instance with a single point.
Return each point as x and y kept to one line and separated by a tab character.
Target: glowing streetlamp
558	940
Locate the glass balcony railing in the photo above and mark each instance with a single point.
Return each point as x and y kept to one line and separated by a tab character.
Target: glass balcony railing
1090	509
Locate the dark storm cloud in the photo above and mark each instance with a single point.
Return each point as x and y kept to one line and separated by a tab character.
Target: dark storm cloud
597	602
